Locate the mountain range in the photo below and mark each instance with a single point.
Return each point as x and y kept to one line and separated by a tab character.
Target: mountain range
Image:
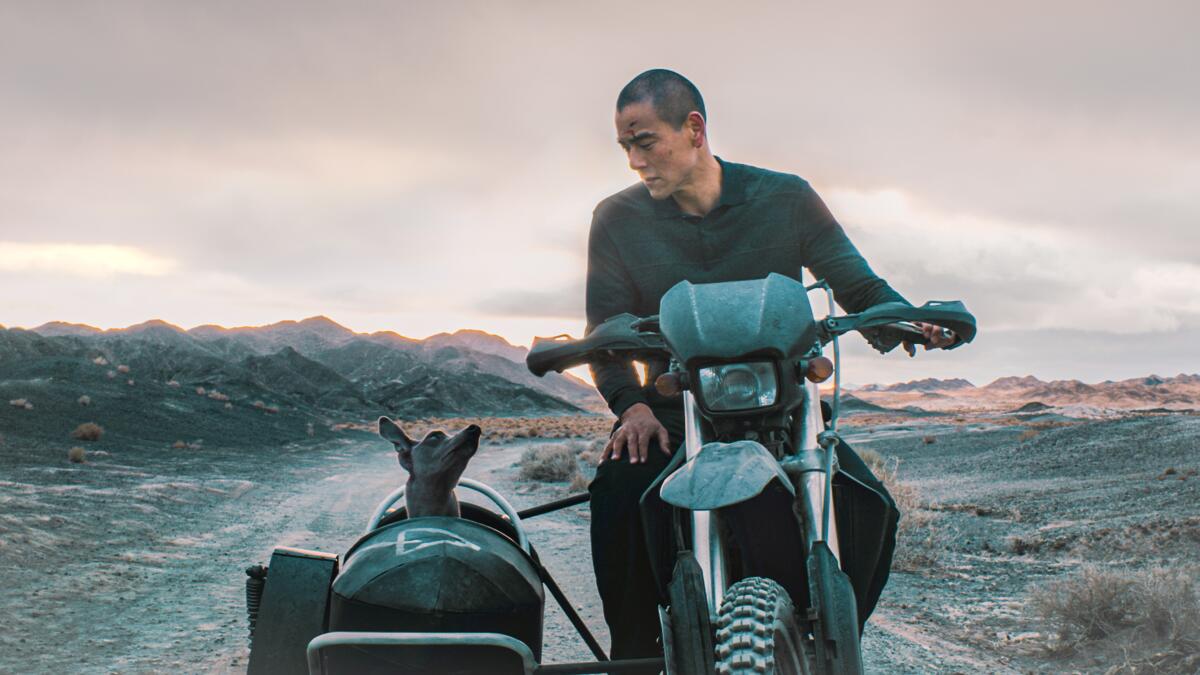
155	380
312	368
1179	393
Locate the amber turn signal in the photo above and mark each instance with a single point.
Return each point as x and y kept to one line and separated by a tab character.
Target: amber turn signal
670	384
819	369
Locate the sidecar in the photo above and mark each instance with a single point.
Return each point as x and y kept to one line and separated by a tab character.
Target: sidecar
415	595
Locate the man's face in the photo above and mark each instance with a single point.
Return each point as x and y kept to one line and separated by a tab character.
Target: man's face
662	156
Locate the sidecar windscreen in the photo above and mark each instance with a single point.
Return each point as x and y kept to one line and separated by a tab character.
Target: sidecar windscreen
732	319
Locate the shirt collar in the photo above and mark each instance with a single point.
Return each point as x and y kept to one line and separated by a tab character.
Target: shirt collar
733	190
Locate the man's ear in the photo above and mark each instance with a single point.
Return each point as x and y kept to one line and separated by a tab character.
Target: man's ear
697	128
391	431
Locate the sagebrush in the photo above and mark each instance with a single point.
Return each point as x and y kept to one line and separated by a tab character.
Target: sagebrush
1152	615
88	431
551	463
922	535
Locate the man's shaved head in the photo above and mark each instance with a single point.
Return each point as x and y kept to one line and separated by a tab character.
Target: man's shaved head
670	94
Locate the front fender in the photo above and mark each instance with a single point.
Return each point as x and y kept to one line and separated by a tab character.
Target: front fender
722	474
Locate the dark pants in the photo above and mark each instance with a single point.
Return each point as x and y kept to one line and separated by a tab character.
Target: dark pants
624	576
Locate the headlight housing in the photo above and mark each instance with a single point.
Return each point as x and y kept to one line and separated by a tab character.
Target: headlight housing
739	386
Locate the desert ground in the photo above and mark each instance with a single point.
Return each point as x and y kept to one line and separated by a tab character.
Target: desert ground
1030	542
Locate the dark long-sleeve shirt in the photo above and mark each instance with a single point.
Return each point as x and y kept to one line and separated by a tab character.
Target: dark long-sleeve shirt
764	222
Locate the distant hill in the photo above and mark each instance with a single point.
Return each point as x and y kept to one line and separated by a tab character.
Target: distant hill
849	403
272	382
1181	392
928	384
1012	382
464	354
60	328
479	341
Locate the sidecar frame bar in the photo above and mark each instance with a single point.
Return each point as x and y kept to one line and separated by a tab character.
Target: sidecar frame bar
316	663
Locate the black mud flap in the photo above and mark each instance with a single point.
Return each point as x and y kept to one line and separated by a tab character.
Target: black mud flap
294	610
659	523
834	614
866	522
687	633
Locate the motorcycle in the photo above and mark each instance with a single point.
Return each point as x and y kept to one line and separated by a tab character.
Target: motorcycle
769	571
767	576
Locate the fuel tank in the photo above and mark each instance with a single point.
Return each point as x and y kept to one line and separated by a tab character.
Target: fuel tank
439	574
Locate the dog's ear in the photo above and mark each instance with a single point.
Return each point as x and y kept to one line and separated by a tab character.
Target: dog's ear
392	431
404	445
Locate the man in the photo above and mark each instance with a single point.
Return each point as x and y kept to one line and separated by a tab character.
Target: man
692	216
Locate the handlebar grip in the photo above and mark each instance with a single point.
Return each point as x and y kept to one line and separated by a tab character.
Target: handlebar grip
546	354
910	333
888	336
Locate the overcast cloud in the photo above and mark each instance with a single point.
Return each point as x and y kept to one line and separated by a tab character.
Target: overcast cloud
423	167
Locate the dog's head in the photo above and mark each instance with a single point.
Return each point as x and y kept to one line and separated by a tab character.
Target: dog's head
437	457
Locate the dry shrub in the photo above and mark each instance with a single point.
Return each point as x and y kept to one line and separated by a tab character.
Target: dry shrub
19	403
100	361
549	463
579	483
201	391
76	455
1022	545
88	431
1154	612
921	536
1028	434
85	400
179	445
1042	425
217	396
874	461
122	368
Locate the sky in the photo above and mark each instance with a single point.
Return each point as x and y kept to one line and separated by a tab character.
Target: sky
424	167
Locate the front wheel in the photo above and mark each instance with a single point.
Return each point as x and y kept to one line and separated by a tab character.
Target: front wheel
758	632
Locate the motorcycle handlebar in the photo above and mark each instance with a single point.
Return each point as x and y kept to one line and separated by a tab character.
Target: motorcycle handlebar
629	336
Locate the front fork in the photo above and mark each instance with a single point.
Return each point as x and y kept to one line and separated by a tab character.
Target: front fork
707	541
811	470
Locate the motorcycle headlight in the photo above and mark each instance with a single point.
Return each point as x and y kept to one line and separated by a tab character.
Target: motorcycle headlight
739	386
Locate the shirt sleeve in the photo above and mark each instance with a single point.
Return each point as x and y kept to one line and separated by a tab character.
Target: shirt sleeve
829	255
610	291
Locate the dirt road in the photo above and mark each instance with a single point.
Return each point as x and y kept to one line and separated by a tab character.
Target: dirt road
135	563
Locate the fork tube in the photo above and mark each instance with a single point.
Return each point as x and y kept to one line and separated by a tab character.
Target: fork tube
814	481
706	540
691	425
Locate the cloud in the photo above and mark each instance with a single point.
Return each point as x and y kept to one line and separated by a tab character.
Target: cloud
436	165
82	260
566	303
1017	275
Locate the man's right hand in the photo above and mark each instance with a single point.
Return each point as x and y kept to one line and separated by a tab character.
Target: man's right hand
638	427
